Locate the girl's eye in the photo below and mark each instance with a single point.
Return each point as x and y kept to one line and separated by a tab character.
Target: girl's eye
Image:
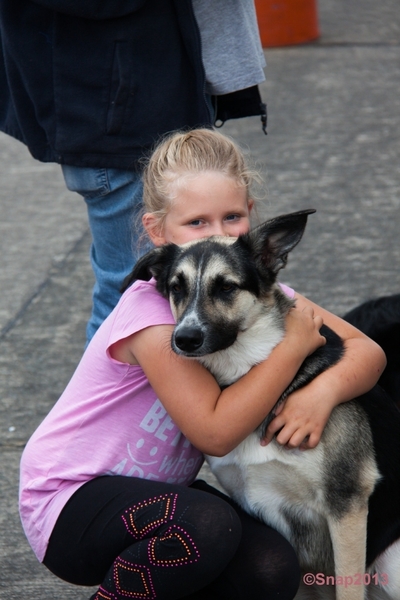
232	217
195	223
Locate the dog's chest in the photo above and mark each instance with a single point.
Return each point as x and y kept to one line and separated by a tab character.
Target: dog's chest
264	479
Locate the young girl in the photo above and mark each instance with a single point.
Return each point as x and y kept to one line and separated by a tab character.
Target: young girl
107	491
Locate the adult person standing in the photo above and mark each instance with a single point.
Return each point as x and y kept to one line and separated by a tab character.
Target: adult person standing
93	85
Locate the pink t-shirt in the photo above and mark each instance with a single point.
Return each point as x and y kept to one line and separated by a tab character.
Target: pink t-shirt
108	421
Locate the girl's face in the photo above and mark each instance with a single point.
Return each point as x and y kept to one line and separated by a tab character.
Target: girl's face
206	204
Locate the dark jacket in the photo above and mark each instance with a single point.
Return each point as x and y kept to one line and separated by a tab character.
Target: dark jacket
96	82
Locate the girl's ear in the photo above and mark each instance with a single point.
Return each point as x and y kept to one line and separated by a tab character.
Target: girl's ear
250	204
153	229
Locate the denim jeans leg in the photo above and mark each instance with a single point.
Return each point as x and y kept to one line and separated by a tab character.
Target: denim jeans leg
114	203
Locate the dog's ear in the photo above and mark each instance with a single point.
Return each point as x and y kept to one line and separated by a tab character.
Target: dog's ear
272	241
152	264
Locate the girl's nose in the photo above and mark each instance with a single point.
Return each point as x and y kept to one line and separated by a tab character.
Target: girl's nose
218	229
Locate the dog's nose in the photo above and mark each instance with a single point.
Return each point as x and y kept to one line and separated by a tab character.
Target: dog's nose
188	339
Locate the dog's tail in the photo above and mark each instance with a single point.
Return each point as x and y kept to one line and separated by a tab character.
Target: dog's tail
379	319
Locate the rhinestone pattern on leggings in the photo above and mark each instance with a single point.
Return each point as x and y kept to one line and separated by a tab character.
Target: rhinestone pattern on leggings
165	506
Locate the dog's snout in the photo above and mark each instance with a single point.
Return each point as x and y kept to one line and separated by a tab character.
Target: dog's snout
188	339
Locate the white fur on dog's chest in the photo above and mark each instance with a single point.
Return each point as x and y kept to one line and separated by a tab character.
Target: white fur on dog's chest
260	478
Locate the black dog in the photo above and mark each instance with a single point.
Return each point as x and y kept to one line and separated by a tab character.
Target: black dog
379	319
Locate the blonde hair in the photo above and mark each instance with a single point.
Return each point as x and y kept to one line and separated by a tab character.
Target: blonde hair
186	154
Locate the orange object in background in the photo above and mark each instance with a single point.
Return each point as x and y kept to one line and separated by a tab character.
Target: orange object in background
287	22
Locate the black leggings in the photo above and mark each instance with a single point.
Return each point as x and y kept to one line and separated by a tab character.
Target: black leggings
146	540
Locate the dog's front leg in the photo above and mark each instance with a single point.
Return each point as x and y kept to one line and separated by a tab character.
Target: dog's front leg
349	539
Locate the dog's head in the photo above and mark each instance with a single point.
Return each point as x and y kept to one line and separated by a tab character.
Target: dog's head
218	286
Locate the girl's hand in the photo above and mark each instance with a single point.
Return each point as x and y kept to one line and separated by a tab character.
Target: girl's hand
301	419
302	328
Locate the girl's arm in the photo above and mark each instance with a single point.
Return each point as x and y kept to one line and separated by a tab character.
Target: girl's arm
217	421
306	411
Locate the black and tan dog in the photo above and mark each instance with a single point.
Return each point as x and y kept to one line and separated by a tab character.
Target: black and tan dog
339	503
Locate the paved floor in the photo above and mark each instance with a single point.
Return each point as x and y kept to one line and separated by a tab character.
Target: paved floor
333	144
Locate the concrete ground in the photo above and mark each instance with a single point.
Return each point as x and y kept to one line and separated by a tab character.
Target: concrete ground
333	144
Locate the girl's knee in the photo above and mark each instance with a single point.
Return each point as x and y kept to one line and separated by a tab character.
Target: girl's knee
277	572
217	532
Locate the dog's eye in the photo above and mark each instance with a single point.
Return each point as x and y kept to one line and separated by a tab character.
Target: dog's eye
228	287
177	287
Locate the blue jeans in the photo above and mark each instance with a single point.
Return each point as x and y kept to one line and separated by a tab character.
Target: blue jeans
114	203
